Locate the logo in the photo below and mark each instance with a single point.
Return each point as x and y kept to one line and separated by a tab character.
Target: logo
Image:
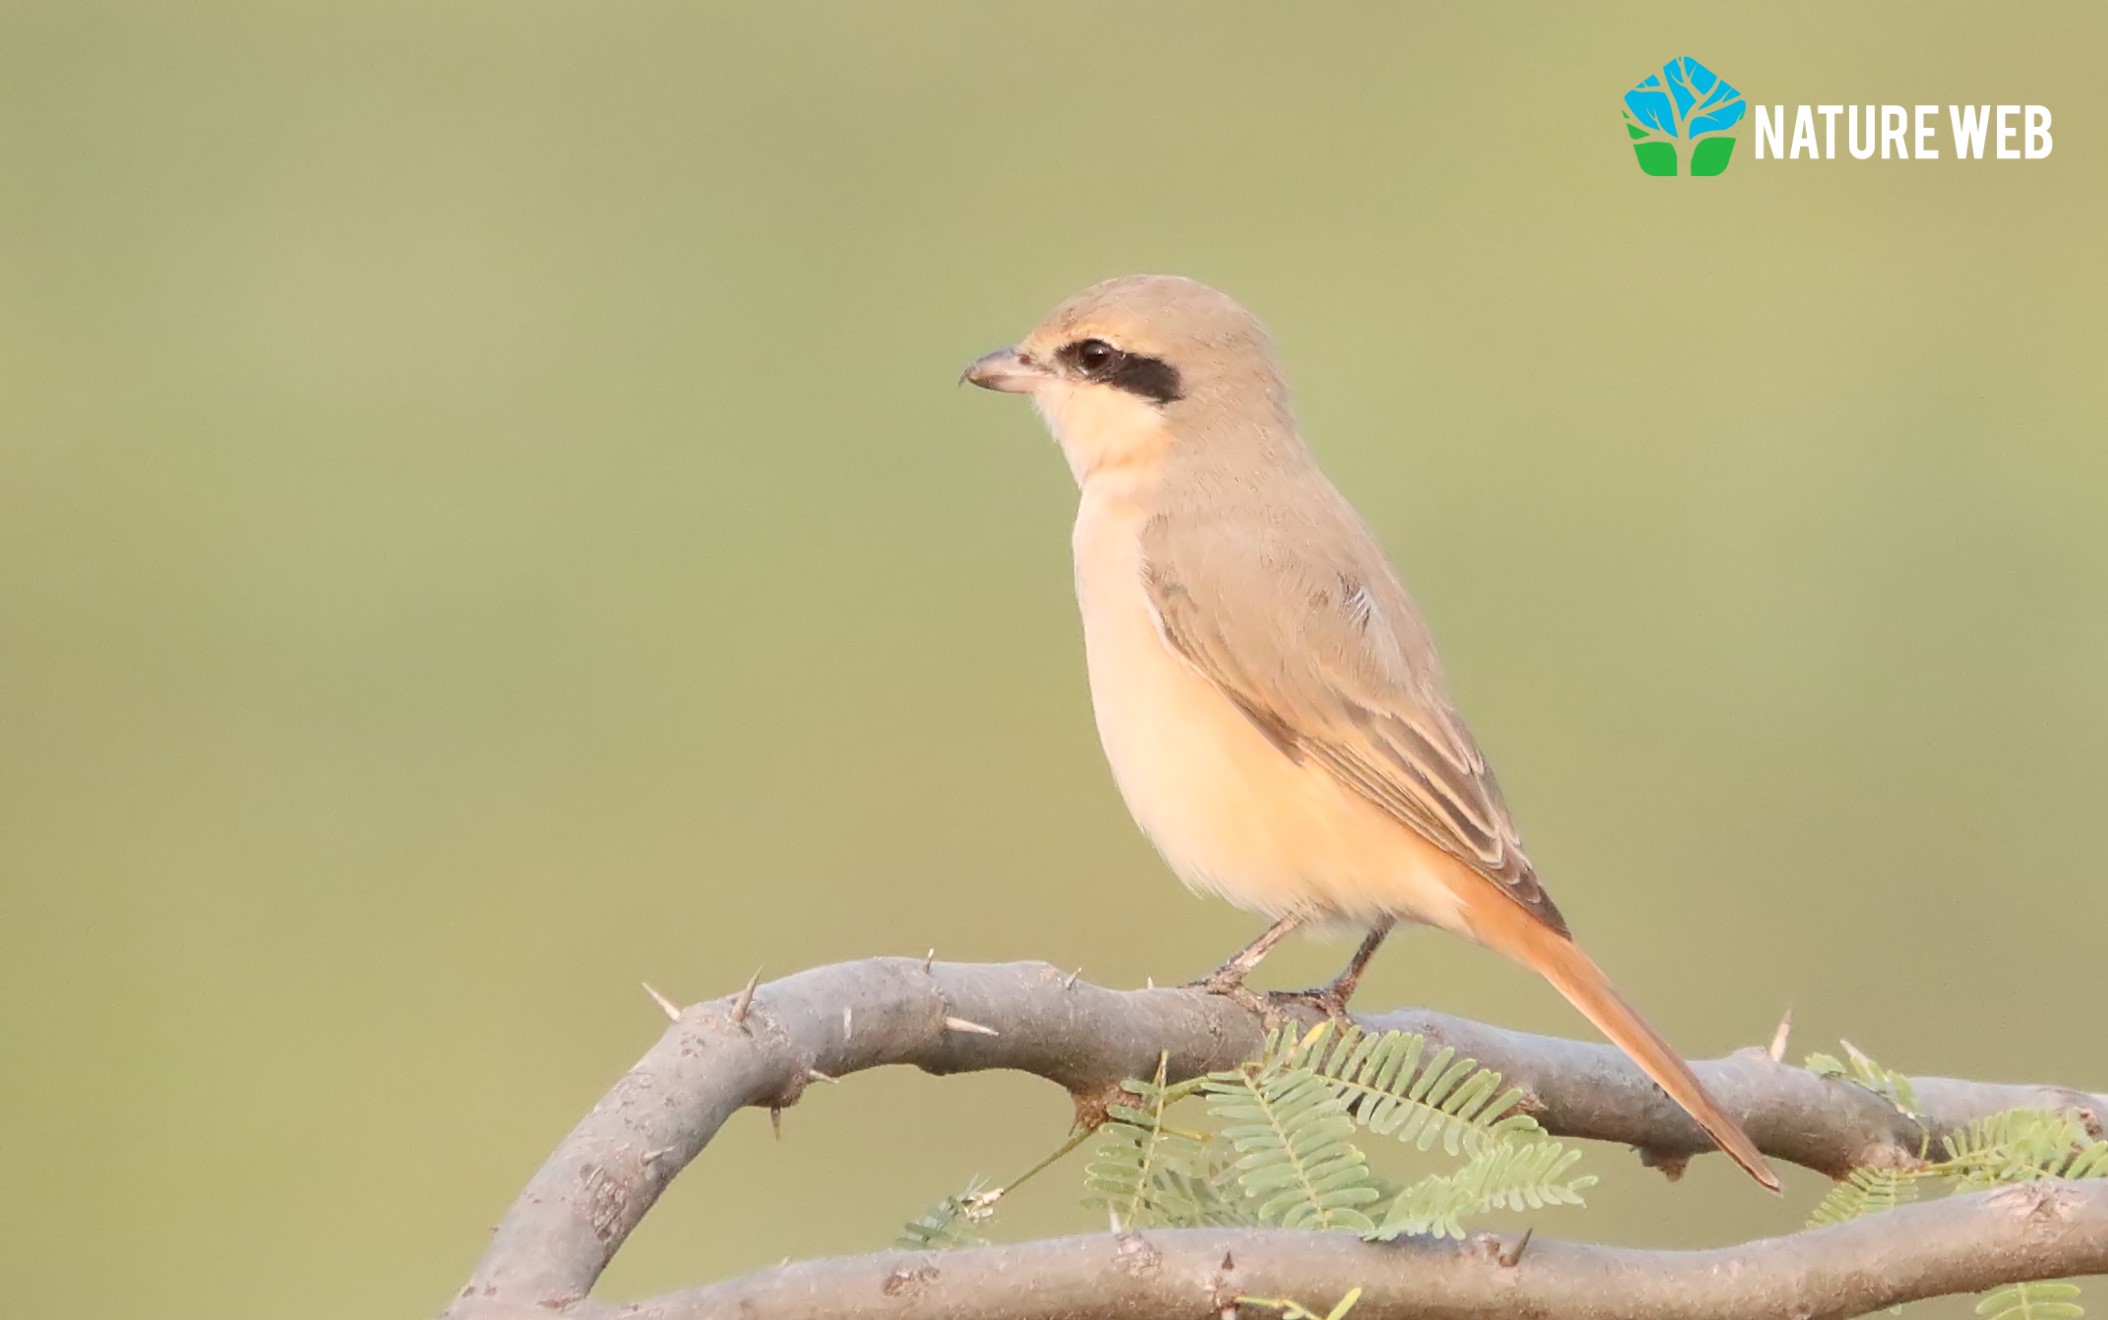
1906	132
1681	120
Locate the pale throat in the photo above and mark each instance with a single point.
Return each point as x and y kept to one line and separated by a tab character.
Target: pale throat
1100	428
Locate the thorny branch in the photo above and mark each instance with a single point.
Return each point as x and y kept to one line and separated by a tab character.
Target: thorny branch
765	1045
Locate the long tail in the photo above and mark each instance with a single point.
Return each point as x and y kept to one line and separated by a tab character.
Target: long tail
1507	929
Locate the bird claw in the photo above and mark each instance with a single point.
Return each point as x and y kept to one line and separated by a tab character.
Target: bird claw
1232	988
1325	999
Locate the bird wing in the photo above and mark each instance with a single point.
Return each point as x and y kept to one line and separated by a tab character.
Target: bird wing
1309	633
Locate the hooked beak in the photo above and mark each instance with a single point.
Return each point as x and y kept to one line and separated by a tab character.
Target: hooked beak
1006	370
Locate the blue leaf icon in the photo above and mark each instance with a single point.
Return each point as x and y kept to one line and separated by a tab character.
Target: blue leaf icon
1708	101
1650	105
1686	99
1682	115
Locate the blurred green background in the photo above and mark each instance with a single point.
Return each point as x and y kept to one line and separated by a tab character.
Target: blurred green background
486	519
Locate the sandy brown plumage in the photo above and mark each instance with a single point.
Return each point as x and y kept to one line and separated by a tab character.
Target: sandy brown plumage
1269	699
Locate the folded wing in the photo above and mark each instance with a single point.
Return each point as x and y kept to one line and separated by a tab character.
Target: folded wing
1315	640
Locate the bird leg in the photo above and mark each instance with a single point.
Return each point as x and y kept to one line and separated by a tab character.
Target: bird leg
1228	979
1332	998
1230	976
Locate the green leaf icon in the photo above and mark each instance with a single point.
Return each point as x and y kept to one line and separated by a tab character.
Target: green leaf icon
1657	158
1711	154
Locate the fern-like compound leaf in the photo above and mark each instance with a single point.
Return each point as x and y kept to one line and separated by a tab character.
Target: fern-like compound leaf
1142	1169
2022	1145
949	1223
1510	1175
2032	1301
1863	1071
2090	1162
1866	1191
1294	1141
1292	1309
2015	1146
1391	1085
1202	1196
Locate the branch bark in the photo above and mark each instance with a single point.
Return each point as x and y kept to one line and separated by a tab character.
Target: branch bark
1963	1244
763	1048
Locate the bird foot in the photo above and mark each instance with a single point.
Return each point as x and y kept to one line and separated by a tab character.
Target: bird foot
1329	1000
1223	982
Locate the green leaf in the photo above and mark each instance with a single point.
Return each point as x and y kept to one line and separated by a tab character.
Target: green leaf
1286	1153
2022	1145
1292	1309
1527	1175
1866	1191
1293	1138
1656	158
1891	1086
1202	1196
1711	156
2015	1146
2032	1301
949	1223
1144	1171
1392	1086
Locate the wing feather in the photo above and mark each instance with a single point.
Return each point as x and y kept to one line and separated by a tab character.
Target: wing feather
1331	662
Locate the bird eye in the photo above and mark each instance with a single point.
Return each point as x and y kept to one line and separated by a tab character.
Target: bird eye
1095	355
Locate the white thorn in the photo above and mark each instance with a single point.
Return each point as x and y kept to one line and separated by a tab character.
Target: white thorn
816	1075
928	958
1070	984
745	1003
666	1006
1778	1038
961	1024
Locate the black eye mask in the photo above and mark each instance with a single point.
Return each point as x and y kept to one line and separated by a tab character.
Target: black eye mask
1151	378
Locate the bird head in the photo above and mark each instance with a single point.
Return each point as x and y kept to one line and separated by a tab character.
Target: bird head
1125	369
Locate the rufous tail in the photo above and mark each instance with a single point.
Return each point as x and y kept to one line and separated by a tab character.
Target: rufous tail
1507	929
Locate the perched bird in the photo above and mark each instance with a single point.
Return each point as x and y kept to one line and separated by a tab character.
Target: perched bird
1268	697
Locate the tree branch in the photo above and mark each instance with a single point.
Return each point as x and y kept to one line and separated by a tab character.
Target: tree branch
763	1047
1963	1244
